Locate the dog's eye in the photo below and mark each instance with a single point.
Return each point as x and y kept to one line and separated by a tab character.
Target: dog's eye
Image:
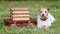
45	11
40	11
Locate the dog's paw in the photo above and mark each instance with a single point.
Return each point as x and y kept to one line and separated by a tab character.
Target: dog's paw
40	26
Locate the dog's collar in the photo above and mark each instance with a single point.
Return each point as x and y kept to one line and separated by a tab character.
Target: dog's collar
44	19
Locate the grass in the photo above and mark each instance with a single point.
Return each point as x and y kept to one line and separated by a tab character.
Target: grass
33	6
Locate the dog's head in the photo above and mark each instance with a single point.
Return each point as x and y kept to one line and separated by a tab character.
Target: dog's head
43	12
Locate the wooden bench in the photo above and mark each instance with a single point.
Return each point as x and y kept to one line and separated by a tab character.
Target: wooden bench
19	16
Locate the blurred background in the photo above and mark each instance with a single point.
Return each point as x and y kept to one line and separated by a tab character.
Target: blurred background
28	0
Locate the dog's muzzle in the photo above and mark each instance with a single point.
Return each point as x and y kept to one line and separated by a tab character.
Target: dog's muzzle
43	18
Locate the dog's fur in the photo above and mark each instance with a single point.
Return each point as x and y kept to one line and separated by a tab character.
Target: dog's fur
46	19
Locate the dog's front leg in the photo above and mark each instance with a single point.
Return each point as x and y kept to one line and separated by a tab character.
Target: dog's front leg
40	25
47	26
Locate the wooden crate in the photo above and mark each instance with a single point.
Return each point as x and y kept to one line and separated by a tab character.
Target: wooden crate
20	17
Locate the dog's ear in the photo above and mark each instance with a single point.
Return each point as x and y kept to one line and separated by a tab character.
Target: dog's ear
48	9
39	9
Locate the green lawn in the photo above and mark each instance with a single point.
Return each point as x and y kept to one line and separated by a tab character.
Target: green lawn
33	6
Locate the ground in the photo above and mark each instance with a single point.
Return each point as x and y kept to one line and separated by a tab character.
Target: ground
33	6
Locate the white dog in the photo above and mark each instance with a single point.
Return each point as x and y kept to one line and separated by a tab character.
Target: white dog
44	18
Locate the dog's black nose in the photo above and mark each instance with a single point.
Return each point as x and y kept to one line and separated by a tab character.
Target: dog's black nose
42	14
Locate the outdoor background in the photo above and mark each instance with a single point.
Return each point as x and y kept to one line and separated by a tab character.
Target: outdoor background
54	6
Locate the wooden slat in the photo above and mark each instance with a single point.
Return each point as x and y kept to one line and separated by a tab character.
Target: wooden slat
20	18
19	9
19	15
20	12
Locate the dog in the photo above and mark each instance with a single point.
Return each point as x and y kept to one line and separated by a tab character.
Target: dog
44	18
